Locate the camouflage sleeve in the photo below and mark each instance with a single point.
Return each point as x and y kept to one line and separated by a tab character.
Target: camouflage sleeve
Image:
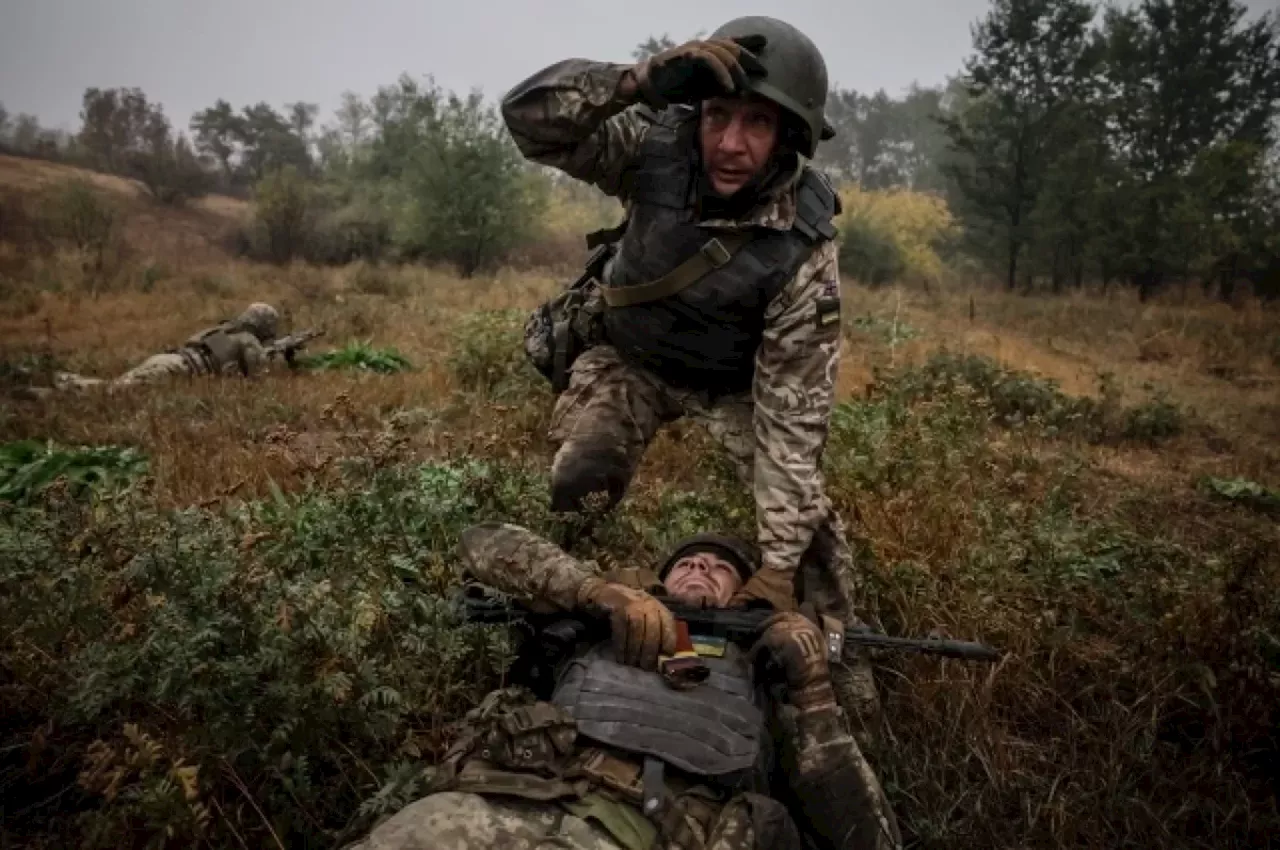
794	392
570	117
514	560
837	791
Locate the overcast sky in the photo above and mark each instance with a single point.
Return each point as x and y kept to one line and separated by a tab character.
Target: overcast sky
188	54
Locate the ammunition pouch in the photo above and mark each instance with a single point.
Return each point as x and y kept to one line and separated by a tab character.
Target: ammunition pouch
567	325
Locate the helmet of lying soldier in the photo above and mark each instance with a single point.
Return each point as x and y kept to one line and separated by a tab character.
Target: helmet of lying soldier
707	569
259	319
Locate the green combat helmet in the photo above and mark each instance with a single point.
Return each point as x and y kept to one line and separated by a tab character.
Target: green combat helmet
796	77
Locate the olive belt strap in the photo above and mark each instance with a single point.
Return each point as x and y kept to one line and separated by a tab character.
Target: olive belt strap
718	251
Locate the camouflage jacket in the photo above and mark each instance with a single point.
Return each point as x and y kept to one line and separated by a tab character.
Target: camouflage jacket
838	794
569	117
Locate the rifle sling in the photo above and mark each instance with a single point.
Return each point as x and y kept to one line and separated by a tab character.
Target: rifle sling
718	251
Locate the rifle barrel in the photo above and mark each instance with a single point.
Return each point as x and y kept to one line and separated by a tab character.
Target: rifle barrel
964	649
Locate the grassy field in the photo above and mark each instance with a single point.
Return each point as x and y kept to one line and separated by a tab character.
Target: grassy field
246	646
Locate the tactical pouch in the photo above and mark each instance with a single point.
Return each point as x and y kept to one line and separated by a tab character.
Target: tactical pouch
567	325
222	350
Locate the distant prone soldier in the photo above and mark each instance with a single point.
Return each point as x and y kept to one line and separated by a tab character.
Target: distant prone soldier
245	345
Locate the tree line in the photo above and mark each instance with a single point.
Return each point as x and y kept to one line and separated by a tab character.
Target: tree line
1077	144
1088	143
1136	144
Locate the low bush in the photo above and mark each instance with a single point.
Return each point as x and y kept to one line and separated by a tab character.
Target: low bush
487	355
1016	398
869	252
256	674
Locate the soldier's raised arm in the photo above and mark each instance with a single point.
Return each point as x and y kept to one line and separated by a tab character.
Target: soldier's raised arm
581	117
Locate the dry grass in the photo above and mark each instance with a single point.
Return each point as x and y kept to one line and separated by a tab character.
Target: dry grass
1219	361
1100	729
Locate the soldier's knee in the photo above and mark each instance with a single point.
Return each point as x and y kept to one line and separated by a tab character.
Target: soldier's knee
580	473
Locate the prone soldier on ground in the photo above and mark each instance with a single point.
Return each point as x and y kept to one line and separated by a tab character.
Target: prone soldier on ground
245	346
629	751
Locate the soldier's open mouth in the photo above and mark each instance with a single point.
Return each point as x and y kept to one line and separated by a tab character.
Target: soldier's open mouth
725	175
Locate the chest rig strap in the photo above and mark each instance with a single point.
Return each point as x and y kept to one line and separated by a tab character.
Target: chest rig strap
716	253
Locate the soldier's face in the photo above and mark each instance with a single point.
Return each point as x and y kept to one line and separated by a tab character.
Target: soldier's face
703	579
737	137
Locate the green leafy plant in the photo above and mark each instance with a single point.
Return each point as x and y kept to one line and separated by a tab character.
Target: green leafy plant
1244	492
29	466
359	356
300	649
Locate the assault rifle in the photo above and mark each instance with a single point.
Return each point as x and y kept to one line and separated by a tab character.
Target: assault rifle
288	346
479	604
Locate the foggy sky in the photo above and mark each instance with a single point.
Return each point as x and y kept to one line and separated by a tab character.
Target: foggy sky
186	54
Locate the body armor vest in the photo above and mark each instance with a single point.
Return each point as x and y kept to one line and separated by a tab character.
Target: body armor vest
704	337
221	350
716	732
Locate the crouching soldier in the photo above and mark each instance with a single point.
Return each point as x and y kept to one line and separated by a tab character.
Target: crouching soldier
717	300
627	755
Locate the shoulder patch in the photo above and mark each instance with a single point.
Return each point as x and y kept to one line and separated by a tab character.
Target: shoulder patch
828	304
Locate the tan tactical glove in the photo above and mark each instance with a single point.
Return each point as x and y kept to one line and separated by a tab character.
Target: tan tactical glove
767	585
698	70
641	626
798	646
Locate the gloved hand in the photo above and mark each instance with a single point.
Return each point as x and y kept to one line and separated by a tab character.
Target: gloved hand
797	645
768	586
698	70
641	626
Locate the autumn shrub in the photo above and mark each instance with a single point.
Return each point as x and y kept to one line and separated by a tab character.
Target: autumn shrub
869	253
894	233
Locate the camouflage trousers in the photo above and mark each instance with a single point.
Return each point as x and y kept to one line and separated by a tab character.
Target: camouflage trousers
602	424
454	820
160	366
155	368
